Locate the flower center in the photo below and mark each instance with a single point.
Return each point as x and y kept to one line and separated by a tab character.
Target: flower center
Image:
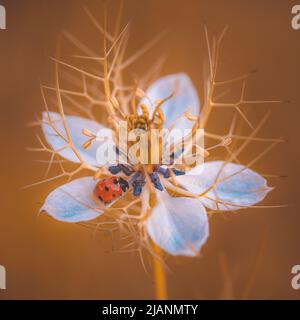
144	121
138	122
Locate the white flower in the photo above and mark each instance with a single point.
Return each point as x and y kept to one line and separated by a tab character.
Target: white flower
179	225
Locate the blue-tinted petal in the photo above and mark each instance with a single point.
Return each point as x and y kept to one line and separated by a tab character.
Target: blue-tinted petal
73	202
237	186
185	98
178	225
75	125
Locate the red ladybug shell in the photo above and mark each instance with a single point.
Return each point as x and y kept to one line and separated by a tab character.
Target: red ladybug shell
109	189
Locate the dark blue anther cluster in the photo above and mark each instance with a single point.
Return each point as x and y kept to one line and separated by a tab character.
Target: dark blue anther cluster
156	181
115	169
178	172
120	167
137	181
138	186
166	172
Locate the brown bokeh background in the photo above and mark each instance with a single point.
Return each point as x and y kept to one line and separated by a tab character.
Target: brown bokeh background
248	255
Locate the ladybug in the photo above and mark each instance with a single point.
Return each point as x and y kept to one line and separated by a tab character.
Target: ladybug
111	188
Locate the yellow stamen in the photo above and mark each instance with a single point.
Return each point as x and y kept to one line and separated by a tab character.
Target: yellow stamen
87	133
87	144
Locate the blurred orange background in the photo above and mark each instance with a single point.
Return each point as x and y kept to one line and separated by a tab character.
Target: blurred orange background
249	254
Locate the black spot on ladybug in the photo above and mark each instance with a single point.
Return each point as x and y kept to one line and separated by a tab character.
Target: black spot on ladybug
106	188
114	195
116	181
100	198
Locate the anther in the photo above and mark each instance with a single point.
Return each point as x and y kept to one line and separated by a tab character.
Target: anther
165	172
87	144
178	172
124	184
138	187
115	169
156	181
128	171
87	133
